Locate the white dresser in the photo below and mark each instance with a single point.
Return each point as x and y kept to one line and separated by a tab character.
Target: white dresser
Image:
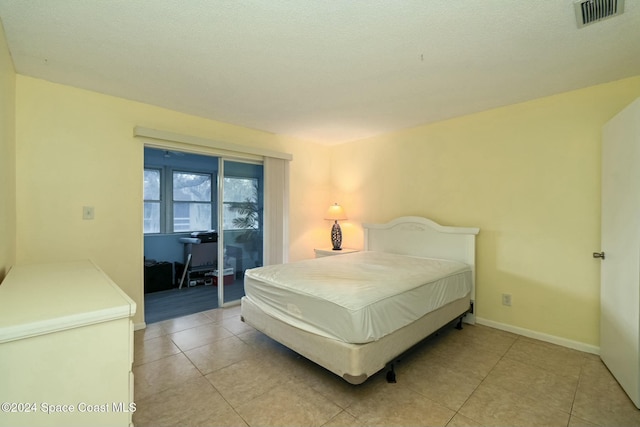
66	347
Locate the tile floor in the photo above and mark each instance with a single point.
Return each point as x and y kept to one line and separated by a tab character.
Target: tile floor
210	369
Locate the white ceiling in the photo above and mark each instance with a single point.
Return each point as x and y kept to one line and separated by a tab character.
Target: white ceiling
323	70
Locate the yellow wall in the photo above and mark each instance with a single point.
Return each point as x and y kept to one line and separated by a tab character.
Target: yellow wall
76	148
528	175
7	159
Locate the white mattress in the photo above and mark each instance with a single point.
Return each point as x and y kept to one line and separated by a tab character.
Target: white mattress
358	297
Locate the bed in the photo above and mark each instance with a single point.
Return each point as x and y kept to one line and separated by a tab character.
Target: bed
354	313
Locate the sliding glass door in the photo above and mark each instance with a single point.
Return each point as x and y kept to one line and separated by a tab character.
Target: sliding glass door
241	225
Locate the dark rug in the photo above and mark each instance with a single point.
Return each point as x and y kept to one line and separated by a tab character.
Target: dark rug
176	302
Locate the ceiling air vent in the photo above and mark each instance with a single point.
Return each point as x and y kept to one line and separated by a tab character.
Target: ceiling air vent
591	11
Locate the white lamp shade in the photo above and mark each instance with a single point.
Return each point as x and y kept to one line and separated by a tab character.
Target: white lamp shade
336	213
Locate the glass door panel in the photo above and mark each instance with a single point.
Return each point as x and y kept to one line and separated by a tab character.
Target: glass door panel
241	225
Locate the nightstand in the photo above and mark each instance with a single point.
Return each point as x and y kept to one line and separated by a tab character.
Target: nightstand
330	252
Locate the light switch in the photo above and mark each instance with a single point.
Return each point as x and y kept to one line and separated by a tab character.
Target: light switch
87	212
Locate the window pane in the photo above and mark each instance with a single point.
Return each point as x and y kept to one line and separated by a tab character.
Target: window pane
151	184
228	217
240	189
191	216
240	203
191	187
151	217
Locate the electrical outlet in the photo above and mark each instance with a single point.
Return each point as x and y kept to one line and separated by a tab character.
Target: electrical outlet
87	212
506	299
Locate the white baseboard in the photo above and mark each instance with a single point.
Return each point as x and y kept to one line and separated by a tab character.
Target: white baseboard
138	326
576	345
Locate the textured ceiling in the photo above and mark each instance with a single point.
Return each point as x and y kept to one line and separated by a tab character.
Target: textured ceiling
329	71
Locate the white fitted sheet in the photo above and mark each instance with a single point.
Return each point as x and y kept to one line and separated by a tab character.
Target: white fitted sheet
359	297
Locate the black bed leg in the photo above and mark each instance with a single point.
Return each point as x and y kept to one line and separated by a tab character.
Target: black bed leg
391	375
459	325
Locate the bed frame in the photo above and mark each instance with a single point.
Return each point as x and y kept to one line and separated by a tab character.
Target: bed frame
355	363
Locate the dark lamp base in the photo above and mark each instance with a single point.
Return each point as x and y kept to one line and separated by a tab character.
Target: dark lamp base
336	236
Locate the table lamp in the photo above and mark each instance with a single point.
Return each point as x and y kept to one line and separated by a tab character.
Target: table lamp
336	213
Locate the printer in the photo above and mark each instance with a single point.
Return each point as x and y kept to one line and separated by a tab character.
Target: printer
198	237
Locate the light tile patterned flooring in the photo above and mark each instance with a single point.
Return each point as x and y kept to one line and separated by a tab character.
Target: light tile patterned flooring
210	369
